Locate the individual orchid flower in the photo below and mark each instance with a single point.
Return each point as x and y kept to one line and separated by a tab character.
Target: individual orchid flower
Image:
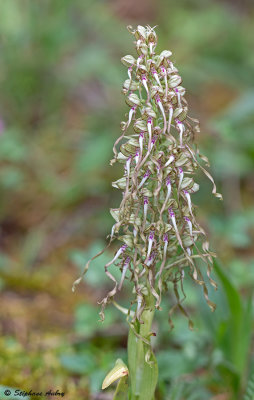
170	160
131	113
164	74
154	138
144	81
173	219
141	142
180	125
151	45
187	195
170	115
129	73
145	208
137	157
118	253
158	100
150	244
178	97
145	177
149	127
125	268
127	166
189	224
139	303
151	259
156	77
181	175
112	231
139	59
168	183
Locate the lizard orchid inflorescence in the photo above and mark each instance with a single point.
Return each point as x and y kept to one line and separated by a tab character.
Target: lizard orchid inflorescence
156	223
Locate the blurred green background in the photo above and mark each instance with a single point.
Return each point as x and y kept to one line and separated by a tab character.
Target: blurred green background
60	109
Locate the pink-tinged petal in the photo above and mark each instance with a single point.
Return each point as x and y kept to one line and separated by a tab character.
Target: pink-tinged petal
125	267
154	72
118	253
170	115
158	100
145	177
131	113
189	224
170	160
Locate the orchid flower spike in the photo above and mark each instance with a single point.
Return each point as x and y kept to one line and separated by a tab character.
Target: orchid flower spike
155	220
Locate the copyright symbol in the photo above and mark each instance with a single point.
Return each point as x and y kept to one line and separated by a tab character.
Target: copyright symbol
7	392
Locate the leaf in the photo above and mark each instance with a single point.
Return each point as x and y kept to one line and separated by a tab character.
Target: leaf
119	370
239	322
232	294
78	363
95	378
193	390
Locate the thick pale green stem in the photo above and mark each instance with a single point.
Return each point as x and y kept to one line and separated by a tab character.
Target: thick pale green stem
141	360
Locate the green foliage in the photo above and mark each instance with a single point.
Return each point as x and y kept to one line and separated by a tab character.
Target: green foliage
87	320
239	324
78	363
187	390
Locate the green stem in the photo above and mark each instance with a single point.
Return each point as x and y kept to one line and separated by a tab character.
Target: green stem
141	360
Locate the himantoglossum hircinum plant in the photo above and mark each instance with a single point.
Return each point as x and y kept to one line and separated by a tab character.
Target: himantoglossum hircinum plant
155	222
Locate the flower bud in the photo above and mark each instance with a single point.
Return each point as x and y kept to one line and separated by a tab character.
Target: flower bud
130	85
141	33
115	213
143	49
128	60
120	183
165	54
149	112
140	126
133	100
180	113
174	81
